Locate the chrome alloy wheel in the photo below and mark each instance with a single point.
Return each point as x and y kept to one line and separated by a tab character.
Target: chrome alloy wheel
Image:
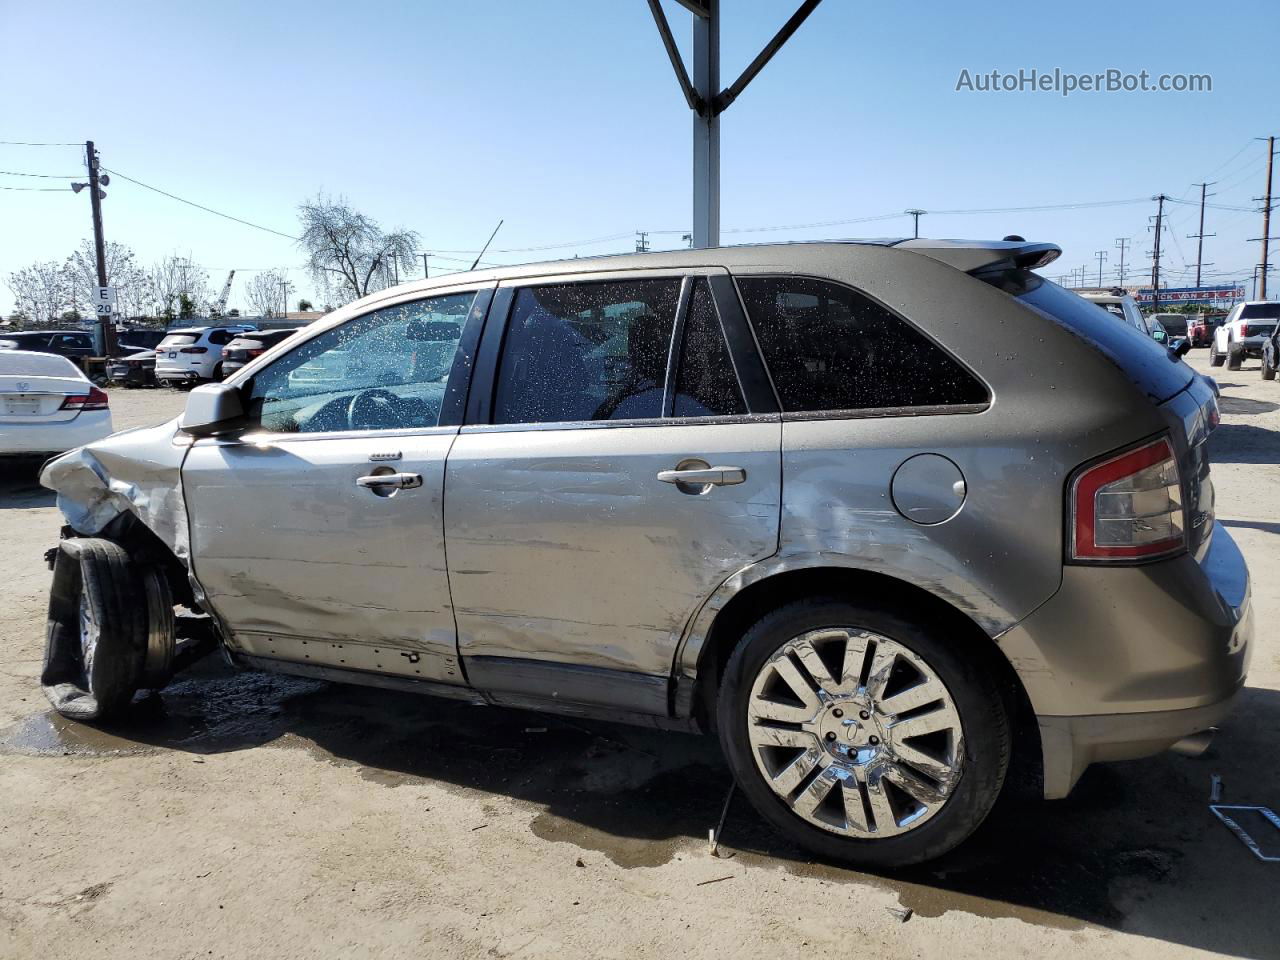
855	733
89	635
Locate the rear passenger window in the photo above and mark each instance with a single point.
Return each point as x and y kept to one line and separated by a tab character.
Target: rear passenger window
706	385
220	338
586	351
830	348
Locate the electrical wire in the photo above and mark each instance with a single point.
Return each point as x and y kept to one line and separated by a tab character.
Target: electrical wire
30	143
40	189
48	176
198	206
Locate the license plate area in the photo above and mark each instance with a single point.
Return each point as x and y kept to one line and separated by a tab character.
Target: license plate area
22	406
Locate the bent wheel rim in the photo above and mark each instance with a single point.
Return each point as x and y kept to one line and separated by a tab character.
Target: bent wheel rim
855	733
90	632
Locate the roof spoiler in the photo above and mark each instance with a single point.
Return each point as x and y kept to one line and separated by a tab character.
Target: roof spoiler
974	255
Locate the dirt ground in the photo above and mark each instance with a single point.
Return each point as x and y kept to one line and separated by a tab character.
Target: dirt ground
245	815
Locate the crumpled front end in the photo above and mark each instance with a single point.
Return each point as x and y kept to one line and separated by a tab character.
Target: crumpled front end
137	472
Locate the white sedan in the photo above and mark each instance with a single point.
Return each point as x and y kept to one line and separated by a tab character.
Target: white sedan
47	405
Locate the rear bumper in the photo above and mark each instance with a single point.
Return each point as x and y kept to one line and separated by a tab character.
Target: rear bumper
1071	744
29	438
176	373
1123	662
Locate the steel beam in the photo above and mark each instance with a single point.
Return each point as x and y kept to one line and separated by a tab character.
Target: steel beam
706	128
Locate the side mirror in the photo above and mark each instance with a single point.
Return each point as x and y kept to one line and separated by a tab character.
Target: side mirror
1180	347
212	408
1159	336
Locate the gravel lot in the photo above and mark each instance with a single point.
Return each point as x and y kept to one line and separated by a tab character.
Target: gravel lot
244	815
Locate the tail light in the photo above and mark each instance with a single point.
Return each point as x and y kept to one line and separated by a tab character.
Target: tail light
255	353
194	350
1129	507
95	399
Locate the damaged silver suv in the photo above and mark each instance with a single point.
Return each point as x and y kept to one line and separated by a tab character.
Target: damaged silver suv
882	515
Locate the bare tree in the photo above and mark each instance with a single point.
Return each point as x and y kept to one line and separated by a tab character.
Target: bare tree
175	280
268	293
348	249
123	273
41	290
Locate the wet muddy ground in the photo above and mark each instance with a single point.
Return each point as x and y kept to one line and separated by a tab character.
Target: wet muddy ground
244	814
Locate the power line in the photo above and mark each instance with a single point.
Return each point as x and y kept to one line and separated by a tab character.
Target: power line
49	176
40	189
32	143
198	206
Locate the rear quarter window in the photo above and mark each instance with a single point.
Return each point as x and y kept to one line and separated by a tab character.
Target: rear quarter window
829	347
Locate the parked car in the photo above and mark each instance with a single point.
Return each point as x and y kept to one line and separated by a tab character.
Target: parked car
1201	326
1175	324
793	494
192	354
1243	332
250	345
47	405
135	370
133	339
1271	354
64	343
1121	305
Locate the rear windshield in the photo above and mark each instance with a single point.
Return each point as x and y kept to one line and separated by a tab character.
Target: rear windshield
1143	361
1172	322
179	340
1261	311
24	364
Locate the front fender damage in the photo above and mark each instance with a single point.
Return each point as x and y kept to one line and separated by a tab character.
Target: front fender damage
136	472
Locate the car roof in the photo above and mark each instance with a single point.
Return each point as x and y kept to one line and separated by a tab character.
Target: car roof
186	330
33	363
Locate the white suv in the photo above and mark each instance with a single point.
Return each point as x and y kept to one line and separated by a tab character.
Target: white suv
1119	304
192	354
1243	333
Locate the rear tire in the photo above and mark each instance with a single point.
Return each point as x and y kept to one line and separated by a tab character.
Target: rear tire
95	645
1235	356
882	801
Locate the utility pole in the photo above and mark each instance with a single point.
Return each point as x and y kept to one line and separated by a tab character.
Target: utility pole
424	267
284	292
1155	253
917	214
642	241
1266	221
1121	244
105	324
1199	235
1101	255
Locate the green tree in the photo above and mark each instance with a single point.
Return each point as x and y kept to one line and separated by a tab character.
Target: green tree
305	305
186	307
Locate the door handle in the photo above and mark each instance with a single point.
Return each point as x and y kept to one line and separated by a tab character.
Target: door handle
400	481
704	476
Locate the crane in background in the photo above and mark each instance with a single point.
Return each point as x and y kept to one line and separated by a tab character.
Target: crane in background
218	306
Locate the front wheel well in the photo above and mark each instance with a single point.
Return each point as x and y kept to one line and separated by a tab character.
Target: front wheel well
754	601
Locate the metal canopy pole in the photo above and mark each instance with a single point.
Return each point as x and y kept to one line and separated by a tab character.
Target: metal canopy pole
708	101
706	128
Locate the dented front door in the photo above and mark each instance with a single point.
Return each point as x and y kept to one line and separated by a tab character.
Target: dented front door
317	532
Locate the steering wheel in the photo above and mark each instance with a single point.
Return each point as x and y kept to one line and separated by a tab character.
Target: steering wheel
371	409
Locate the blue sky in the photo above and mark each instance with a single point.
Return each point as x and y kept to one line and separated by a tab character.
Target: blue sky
563	118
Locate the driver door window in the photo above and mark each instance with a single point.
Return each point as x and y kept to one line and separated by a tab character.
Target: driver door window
385	370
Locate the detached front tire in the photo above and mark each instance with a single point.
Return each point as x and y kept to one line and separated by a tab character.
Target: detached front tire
96	640
1235	356
1215	358
863	734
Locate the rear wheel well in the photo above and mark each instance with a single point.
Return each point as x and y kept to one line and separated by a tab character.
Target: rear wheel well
754	601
